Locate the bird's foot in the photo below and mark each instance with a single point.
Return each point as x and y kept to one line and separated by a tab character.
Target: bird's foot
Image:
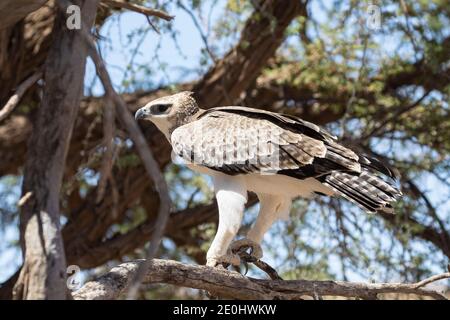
224	261
241	246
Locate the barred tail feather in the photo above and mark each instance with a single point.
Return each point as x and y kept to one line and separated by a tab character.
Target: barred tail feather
366	190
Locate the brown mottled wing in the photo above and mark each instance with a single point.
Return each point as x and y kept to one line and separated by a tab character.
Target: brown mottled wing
239	140
237	144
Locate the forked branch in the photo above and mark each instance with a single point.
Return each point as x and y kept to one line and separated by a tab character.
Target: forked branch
139	9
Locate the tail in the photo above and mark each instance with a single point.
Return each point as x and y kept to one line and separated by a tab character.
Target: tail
367	190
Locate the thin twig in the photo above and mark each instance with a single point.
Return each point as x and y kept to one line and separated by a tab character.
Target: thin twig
409	31
191	198
152	25
445	235
356	82
24	199
139	9
15	98
431	279
395	116
200	30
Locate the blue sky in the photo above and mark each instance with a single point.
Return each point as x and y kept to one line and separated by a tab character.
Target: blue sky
185	54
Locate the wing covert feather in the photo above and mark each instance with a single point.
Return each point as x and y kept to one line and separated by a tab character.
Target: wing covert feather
222	139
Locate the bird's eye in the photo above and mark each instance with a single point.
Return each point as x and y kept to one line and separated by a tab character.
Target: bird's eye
160	108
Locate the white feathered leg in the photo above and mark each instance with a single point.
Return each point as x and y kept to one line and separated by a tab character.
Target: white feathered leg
231	195
271	208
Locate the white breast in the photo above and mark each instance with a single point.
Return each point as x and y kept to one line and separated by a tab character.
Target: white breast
278	184
275	184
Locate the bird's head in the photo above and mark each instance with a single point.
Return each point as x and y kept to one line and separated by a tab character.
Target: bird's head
169	112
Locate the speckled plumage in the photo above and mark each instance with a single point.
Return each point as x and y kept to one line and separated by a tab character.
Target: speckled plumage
238	140
277	156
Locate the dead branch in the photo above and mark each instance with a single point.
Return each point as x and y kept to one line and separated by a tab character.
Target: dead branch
107	161
264	30
146	155
15	98
42	275
229	284
139	9
11	11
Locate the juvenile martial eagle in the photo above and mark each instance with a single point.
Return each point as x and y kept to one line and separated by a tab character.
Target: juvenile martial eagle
279	157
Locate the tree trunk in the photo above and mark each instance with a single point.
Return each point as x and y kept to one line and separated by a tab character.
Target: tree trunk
263	33
11	11
44	271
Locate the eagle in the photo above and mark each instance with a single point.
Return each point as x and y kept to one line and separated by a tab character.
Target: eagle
277	156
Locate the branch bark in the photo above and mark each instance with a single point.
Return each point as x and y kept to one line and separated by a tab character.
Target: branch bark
150	164
43	273
24	47
229	284
139	9
262	35
244	62
11	11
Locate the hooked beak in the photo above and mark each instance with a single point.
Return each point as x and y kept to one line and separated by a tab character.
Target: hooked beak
142	113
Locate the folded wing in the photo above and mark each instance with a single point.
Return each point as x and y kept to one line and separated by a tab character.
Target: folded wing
239	140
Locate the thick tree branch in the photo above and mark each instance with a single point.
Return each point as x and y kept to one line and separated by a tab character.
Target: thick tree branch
24	47
43	273
258	42
262	35
139	9
6	288
179	229
422	74
230	284
149	162
11	11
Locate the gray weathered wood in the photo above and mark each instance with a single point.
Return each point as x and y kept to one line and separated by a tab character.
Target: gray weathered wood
230	284
44	271
11	11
